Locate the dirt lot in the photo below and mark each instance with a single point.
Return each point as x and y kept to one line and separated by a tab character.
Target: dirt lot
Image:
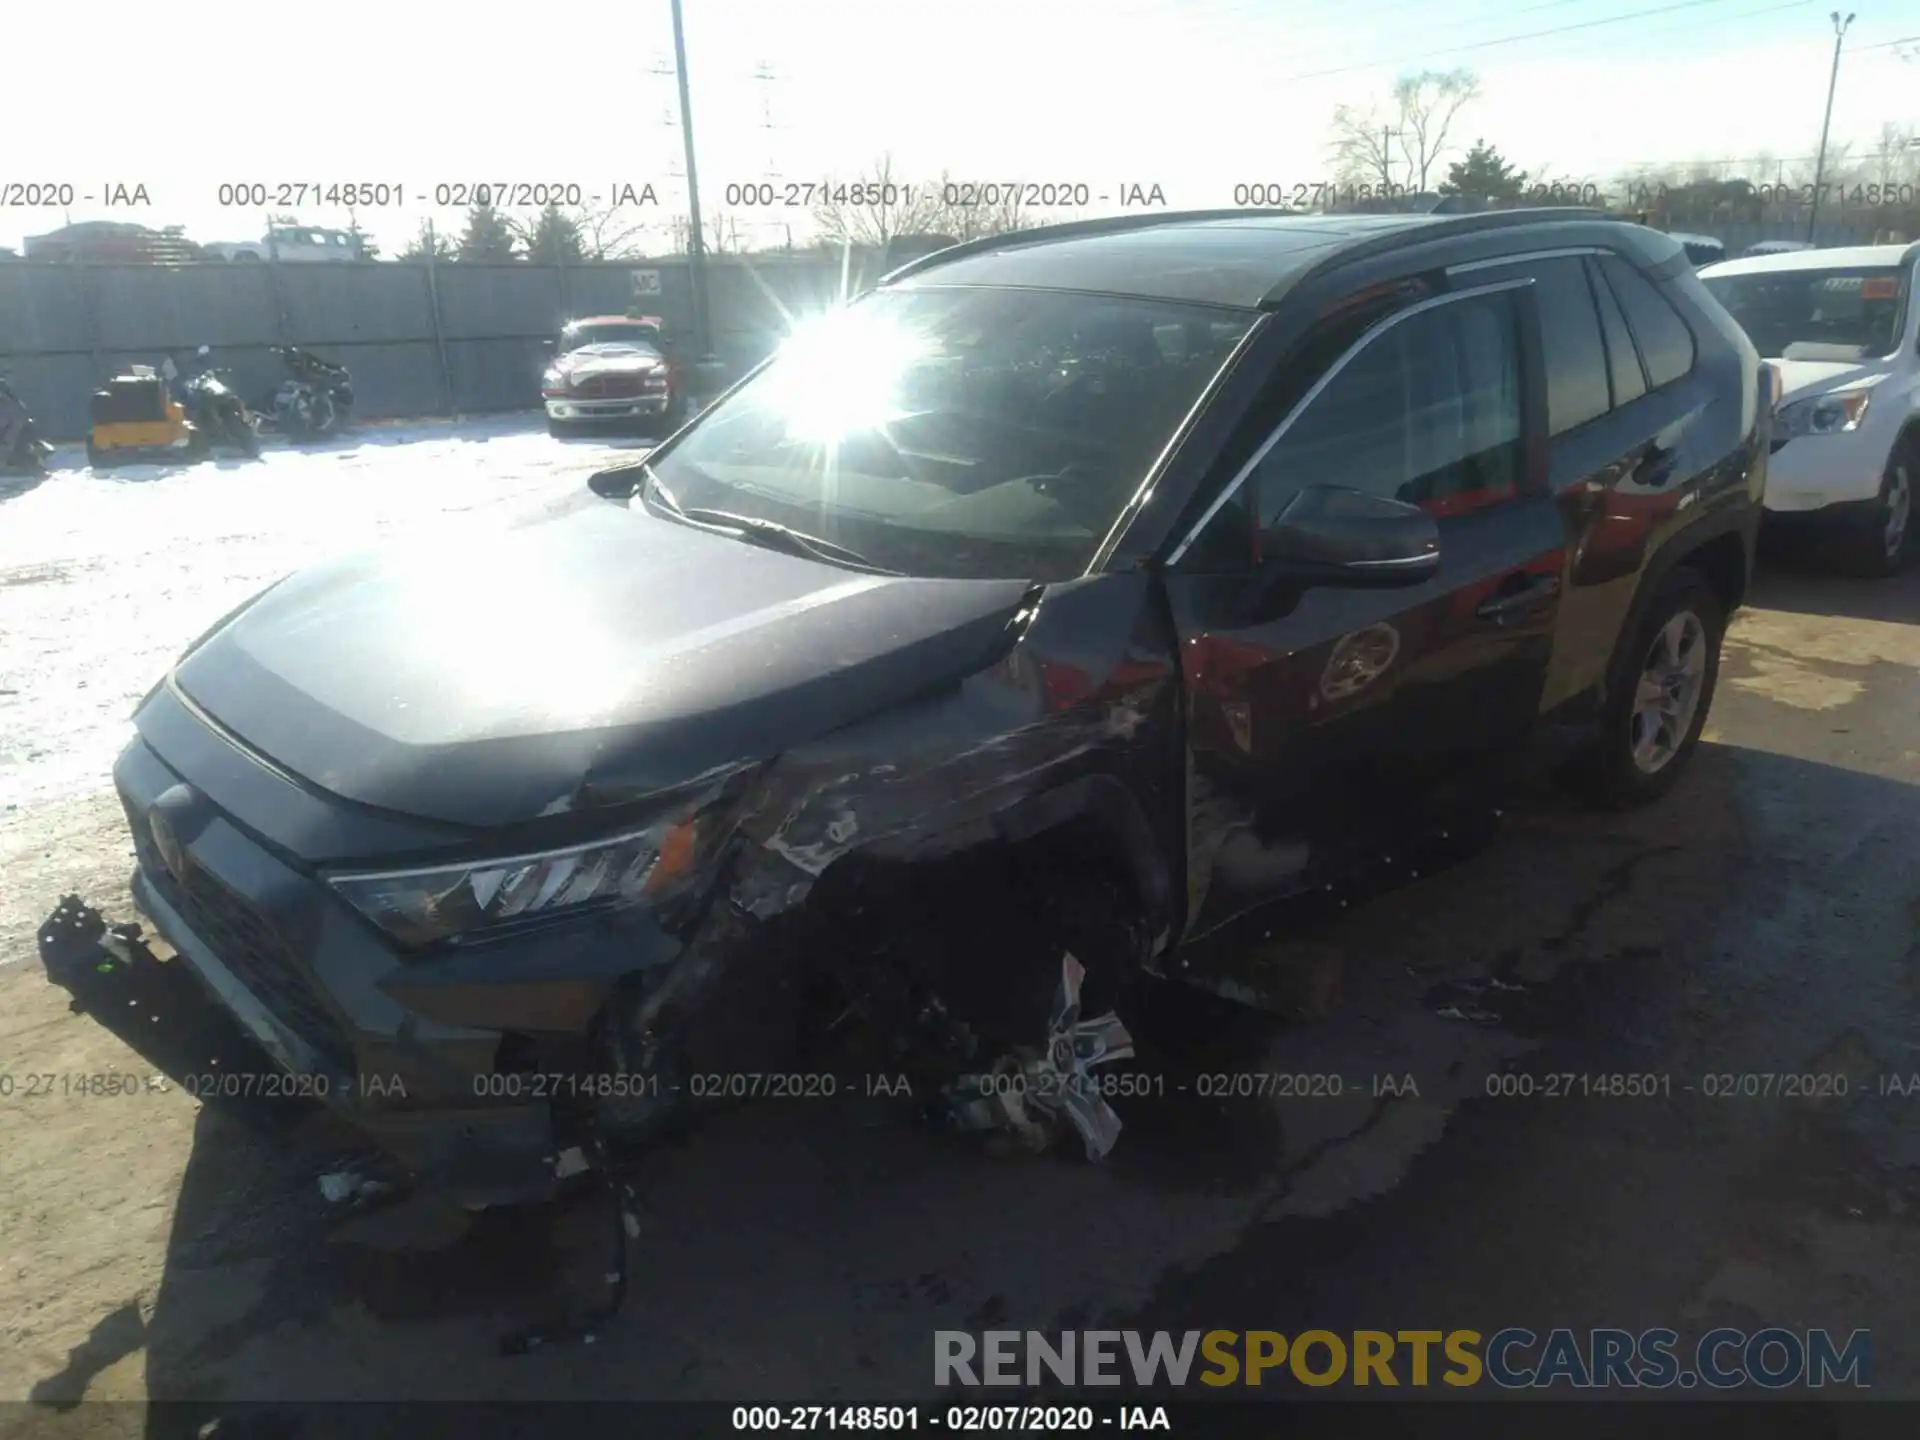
1766	918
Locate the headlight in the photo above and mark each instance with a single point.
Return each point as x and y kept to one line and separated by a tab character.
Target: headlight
1833	414
553	382
419	907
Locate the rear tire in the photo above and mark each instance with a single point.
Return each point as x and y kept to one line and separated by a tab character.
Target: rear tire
96	457
1660	692
1885	541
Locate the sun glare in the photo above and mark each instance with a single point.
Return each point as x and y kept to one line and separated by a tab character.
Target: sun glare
840	373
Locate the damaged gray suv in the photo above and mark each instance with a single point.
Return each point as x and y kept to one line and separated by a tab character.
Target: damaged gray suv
1119	578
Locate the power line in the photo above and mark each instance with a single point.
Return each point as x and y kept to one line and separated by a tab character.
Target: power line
1889	44
1311	33
1769	159
1693	27
1512	39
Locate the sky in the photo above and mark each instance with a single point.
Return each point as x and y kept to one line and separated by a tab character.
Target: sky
1194	96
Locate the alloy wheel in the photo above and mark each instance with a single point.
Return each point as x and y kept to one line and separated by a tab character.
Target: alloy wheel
1899	510
1671	680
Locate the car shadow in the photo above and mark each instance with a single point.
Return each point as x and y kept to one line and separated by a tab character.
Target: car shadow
807	1249
13	486
147	472
1806	583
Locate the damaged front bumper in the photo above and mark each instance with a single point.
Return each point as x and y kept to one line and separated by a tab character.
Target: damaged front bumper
479	1067
482	1154
304	977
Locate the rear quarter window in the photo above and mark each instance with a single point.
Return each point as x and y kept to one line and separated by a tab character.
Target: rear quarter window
1665	343
1623	361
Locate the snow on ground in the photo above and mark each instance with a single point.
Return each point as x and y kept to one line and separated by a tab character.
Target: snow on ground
106	576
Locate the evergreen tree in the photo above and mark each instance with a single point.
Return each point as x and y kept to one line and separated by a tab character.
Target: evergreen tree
555	239
428	244
488	237
1484	175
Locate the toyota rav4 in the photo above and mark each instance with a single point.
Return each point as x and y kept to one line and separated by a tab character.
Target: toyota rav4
1168	567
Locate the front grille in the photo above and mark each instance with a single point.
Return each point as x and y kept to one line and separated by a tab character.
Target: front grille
250	947
618	386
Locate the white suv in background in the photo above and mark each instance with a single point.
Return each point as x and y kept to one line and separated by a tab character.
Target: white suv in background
296	244
1843	328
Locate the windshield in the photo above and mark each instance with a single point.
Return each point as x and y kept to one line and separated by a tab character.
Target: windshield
644	337
963	432
1858	312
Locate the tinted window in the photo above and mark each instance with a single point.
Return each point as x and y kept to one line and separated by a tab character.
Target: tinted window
1666	344
1428	413
1570	339
642	336
960	432
1856	311
1623	364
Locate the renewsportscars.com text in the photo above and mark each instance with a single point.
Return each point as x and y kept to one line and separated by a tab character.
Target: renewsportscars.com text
1514	1358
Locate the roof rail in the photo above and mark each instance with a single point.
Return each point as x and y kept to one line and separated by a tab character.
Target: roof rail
1068	229
1429	227
1120	224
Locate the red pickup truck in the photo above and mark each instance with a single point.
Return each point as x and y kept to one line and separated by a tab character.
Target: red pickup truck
612	369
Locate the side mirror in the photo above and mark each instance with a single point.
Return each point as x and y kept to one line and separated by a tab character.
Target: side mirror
1335	536
548	344
620	483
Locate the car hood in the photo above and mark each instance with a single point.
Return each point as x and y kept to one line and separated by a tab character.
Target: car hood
610	357
594	657
1802	378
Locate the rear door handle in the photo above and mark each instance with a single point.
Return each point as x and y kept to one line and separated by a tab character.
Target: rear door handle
1656	469
1512	604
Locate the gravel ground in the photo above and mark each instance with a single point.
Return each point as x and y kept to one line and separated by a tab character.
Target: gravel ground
1765	918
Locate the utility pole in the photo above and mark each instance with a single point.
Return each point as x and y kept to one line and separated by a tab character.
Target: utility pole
766	75
1820	161
696	236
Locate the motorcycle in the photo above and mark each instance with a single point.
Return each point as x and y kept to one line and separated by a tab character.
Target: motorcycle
22	451
216	410
316	399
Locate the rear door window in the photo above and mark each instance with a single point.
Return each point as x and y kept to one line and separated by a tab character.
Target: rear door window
1623	361
1576	357
1665	342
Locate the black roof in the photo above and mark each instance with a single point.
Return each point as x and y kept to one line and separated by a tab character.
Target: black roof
1240	258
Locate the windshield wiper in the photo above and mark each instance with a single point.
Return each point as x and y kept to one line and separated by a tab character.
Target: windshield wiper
770	533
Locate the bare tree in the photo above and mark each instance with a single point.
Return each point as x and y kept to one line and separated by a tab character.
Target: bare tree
1428	103
1840	163
1002	210
1402	143
609	232
1363	147
1896	158
723	235
876	207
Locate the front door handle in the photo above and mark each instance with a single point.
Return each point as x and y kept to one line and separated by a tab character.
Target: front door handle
1511	604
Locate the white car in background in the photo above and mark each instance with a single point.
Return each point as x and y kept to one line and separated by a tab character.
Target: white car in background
1842	326
296	244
